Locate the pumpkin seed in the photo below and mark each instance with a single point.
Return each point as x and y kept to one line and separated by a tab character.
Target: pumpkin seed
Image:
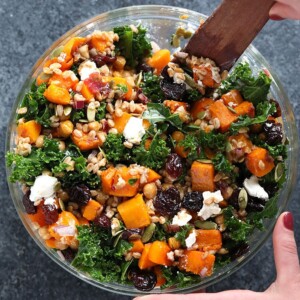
91	113
243	199
56	52
118	236
148	233
61	204
279	171
201	115
206	224
232	110
83	121
205	161
190	81
67	110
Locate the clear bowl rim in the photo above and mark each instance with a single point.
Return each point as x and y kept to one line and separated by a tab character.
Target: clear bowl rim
119	288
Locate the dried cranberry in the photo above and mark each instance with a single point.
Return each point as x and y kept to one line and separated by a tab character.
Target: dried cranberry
142	280
172	91
131	234
102	60
273	133
174	165
28	204
102	221
169	228
144	68
167	202
50	213
233	200
255	204
193	201
165	75
69	254
271	188
239	250
80	194
96	85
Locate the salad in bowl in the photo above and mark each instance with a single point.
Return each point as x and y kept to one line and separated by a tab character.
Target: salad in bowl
145	166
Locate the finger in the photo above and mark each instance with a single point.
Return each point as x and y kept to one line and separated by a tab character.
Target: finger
285	11
228	295
285	249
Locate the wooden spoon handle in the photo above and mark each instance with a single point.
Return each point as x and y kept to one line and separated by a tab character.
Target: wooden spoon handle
229	31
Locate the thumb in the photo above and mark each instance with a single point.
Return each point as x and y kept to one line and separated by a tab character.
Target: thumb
284	9
285	249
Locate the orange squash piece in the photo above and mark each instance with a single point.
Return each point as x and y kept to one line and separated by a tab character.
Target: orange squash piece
144	262
122	81
59	80
152	176
111	179
38	217
65	218
197	262
259	162
120	122
72	45
245	108
138	246
57	95
202	177
91	209
219	110
30	129
200	106
174	105
86	93
178	136
99	42
83	221
241	141
42	78
158	253
134	212
159	60
86	142
209	239
233	96
207	78
159	276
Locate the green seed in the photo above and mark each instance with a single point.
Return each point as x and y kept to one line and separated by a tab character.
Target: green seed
279	171
56	52
148	233
206	224
243	199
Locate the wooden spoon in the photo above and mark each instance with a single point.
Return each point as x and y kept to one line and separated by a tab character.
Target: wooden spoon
229	31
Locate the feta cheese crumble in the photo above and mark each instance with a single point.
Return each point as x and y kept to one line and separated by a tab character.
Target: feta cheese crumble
86	69
210	204
182	218
134	130
44	187
254	189
191	239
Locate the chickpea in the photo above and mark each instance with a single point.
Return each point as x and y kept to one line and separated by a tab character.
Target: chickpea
94	126
62	146
177	136
150	190
39	143
65	128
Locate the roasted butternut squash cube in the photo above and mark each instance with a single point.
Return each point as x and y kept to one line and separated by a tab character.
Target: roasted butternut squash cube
245	108
134	212
200	106
30	129
158	253
209	239
144	262
232	97
202	177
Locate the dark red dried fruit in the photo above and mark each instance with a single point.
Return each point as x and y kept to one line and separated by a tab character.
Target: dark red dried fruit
167	202
96	85
172	91
80	194
273	133
132	234
233	200
169	228
276	114
28	204
102	60
50	213
193	201
144	68
240	250
69	254
102	221
255	204
174	166
142	280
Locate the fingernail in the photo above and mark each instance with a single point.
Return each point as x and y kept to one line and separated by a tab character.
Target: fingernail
276	18
288	221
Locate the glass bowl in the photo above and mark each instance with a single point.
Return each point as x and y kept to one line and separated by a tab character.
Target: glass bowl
162	22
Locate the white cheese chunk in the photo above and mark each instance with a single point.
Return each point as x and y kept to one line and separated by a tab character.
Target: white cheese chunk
191	239
134	130
254	189
210	206
86	69
50	201
44	187
182	218
215	197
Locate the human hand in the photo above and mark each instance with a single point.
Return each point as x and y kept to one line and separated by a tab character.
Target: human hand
287	283
285	9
